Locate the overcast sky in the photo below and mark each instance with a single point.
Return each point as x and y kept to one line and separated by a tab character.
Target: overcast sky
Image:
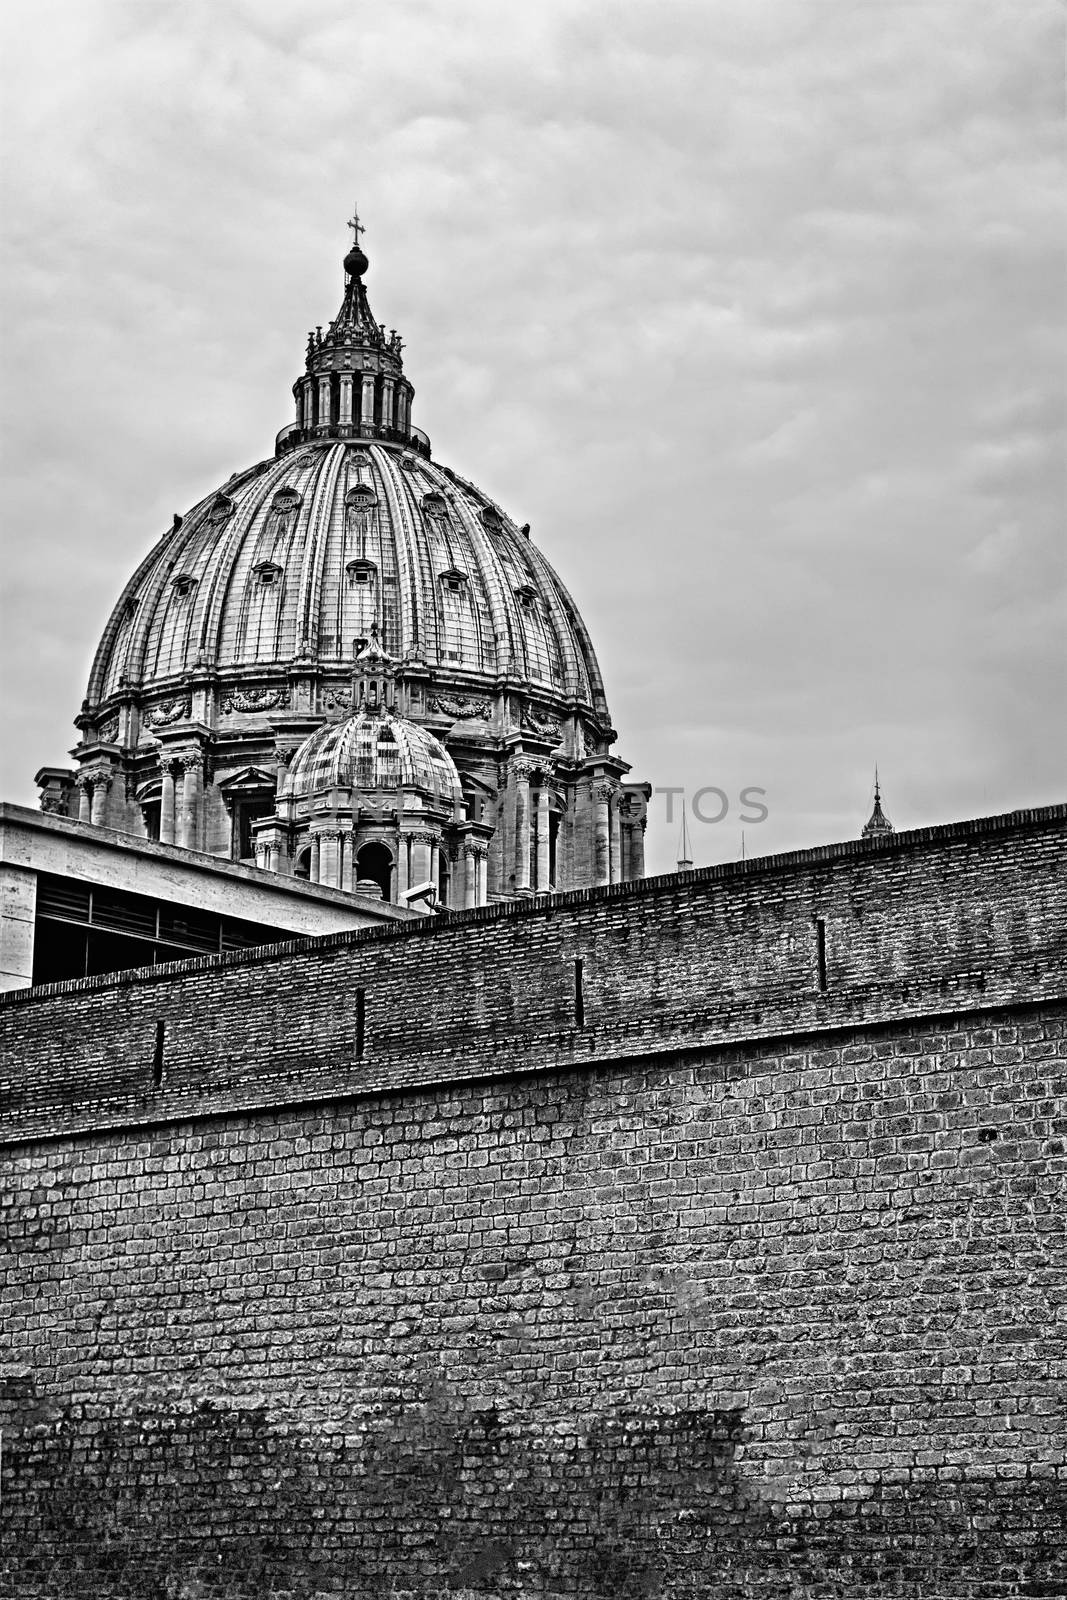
753	310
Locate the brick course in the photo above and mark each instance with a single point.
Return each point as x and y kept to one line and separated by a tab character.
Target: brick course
744	1288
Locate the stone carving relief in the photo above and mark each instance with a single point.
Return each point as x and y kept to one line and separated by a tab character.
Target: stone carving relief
336	699
255	700
166	712
543	727
461	708
108	730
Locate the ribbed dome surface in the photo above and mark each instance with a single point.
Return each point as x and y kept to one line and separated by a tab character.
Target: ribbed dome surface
303	553
372	751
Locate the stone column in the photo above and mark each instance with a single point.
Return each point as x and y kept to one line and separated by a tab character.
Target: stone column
313	864
324	401
617	873
403	853
602	832
84	797
98	810
346	398
166	805
348	860
420	858
192	767
387	402
308	391
543	824
481	865
521	859
366	414
469	892
329	859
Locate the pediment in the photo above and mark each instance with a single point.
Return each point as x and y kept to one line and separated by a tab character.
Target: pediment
247	778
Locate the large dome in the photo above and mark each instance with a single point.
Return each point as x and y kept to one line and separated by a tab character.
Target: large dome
303	554
352	573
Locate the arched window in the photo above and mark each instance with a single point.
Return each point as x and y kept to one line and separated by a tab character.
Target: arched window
374	863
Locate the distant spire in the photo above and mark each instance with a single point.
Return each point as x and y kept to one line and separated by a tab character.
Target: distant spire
685	860
879	825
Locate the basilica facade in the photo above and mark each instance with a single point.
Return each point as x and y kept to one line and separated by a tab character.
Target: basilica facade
349	664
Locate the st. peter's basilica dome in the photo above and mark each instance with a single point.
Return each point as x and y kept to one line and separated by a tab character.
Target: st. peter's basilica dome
247	626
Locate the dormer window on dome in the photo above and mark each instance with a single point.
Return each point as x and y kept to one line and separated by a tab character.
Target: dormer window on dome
183	584
361	571
526	596
492	519
221	509
454	580
268	573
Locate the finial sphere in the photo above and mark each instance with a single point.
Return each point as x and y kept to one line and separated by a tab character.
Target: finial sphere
356	262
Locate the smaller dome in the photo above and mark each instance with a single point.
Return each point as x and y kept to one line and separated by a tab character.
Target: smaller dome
371	750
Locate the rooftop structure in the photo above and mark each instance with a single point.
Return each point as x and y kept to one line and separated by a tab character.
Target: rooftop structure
246	629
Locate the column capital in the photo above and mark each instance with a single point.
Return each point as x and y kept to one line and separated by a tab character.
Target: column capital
606	790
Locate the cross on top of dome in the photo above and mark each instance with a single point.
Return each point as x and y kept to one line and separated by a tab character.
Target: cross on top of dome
356	262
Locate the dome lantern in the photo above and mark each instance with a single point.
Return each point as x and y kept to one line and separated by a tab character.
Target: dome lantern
353	385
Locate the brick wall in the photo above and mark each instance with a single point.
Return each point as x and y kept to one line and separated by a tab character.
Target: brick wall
745	1287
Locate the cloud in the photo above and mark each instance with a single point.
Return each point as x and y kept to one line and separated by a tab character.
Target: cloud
752	311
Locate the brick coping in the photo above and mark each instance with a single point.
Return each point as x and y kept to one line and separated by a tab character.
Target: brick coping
548	904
